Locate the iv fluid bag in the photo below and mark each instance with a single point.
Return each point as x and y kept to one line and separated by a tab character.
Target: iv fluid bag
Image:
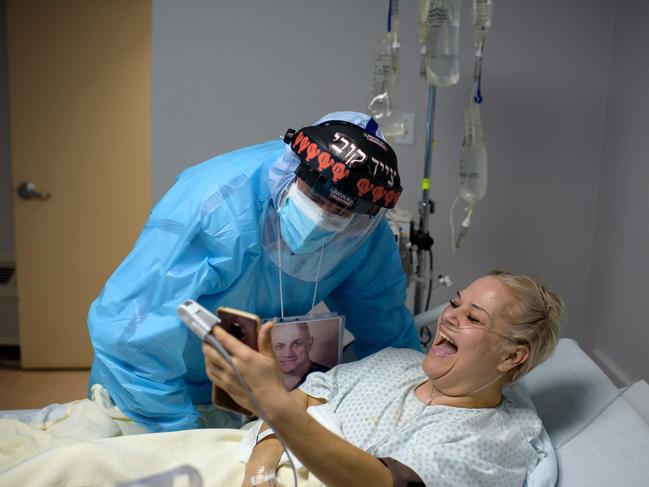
473	158
384	92
442	21
481	20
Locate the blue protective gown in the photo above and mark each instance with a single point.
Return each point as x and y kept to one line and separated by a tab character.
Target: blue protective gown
202	241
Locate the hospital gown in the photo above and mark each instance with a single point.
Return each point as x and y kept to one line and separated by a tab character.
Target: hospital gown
446	446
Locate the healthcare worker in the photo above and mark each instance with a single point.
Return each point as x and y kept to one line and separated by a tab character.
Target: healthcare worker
272	229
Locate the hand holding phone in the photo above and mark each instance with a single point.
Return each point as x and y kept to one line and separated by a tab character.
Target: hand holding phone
242	325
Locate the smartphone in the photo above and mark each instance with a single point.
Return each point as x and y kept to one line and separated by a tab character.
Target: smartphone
244	326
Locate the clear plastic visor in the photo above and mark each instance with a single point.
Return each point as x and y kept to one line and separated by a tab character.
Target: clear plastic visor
317	265
327	213
325	204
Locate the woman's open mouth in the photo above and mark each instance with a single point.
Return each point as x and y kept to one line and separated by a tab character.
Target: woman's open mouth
444	345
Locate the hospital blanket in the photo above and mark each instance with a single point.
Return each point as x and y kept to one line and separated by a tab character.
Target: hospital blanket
32	457
86	446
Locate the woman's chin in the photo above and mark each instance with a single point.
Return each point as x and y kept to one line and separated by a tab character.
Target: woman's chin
436	366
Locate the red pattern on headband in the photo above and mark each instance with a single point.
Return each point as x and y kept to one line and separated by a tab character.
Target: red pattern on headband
339	171
377	194
364	186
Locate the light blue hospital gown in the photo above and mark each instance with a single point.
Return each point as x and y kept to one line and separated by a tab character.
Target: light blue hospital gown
446	446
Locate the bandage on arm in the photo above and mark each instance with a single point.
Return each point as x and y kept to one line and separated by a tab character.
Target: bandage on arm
268	450
264	458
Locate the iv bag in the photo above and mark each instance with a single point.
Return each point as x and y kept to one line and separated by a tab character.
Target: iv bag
442	26
385	88
481	20
473	158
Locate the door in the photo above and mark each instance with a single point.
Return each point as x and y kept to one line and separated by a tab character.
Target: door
80	129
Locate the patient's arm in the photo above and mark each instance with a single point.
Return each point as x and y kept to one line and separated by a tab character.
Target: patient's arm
267	452
264	458
333	460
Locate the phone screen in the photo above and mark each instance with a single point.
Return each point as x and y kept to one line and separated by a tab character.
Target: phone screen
240	324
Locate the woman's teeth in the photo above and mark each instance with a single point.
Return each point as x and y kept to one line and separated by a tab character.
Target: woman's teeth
444	346
447	338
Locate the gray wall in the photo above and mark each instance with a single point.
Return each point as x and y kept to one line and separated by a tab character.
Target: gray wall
6	204
227	74
617	330
565	113
545	85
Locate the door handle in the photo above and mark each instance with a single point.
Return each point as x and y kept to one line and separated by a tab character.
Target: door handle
28	191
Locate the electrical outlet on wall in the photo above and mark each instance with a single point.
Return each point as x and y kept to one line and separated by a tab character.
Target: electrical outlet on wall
408	137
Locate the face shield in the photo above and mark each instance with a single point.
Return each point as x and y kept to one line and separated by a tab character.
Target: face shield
309	219
345	181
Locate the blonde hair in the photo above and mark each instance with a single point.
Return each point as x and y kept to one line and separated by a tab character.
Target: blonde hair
534	319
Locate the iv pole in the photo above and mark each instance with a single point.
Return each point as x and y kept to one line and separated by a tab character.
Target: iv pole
421	238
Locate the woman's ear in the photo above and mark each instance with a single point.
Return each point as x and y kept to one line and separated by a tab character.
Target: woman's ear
513	357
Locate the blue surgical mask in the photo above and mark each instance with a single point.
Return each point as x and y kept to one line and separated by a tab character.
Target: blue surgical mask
304	225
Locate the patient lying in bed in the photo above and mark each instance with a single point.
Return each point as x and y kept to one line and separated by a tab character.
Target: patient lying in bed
437	419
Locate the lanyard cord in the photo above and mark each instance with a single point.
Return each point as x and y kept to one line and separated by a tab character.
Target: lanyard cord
317	279
279	260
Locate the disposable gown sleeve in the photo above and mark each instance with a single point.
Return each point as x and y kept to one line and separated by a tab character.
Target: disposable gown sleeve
141	352
373	297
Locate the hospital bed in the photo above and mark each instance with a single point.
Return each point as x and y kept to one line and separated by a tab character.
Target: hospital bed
598	435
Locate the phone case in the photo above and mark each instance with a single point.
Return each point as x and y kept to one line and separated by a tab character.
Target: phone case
242	325
245	327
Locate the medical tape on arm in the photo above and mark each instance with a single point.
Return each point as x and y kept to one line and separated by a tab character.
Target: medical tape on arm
264	434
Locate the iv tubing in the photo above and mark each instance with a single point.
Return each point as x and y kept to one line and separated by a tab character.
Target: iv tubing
457	198
315	289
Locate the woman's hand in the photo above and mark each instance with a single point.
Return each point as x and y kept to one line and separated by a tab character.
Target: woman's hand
259	370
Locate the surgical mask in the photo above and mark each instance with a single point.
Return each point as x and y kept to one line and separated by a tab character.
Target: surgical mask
305	225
